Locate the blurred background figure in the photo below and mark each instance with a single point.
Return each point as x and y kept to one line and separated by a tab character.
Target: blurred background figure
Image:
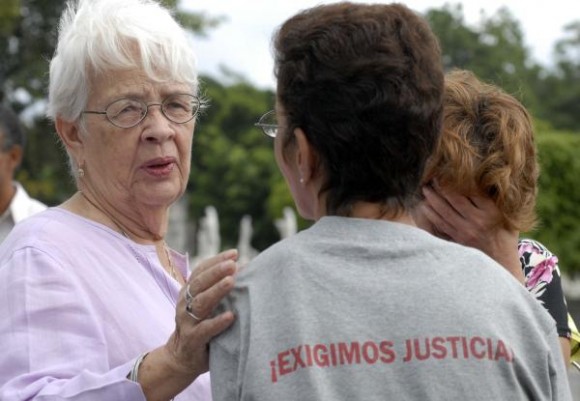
15	204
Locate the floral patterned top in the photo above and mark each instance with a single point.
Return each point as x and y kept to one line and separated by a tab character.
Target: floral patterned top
543	281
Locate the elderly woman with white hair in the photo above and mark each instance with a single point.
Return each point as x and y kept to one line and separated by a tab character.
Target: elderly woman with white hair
94	304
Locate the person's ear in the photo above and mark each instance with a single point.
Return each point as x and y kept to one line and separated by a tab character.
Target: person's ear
70	135
15	155
306	157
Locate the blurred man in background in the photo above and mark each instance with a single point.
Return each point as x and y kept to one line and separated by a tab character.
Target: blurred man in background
15	204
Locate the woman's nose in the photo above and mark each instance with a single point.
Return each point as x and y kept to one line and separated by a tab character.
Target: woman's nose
156	126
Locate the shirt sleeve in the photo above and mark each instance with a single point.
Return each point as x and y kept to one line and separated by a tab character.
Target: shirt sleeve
224	363
559	385
52	344
543	280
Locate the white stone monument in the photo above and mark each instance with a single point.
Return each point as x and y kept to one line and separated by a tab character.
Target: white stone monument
177	232
245	250
208	235
287	225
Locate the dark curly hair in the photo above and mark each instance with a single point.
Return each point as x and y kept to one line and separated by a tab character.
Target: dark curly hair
365	83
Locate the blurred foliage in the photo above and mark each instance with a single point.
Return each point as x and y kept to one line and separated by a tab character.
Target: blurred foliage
199	23
560	88
233	165
494	50
233	161
27	39
559	197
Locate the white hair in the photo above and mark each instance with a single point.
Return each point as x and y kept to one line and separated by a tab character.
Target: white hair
97	36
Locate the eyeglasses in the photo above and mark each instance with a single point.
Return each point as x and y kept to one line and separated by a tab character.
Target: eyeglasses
268	124
127	113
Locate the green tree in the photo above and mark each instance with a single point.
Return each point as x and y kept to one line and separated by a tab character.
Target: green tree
559	197
494	49
27	40
233	162
460	43
560	88
25	43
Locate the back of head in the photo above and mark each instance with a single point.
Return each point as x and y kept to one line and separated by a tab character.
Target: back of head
365	84
100	36
487	148
11	133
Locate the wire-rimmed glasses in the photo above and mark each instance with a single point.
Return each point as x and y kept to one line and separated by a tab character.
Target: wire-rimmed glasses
268	124
179	108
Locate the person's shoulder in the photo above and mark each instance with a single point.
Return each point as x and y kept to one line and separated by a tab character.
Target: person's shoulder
271	261
49	227
469	264
23	205
532	245
534	254
454	251
272	255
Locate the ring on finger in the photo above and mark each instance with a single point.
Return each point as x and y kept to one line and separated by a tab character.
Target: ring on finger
188	306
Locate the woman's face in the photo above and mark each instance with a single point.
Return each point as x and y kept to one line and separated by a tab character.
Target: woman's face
146	165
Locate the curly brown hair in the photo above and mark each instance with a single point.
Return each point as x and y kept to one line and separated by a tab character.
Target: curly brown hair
487	148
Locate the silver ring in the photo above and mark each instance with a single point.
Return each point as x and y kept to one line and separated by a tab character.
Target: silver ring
188	307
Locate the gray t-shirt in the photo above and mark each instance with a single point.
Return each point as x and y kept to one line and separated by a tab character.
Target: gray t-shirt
356	309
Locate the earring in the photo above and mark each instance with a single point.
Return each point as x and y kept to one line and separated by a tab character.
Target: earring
301	180
81	172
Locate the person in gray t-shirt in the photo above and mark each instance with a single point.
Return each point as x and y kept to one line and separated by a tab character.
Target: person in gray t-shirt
364	305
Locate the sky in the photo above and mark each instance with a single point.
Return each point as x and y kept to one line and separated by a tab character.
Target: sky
241	43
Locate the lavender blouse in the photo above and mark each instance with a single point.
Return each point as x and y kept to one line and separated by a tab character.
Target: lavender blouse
78	304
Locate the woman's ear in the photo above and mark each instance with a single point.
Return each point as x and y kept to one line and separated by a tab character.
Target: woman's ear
15	154
70	135
306	157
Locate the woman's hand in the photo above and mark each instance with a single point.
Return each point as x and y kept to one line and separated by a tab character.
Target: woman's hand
210	281
167	370
473	221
